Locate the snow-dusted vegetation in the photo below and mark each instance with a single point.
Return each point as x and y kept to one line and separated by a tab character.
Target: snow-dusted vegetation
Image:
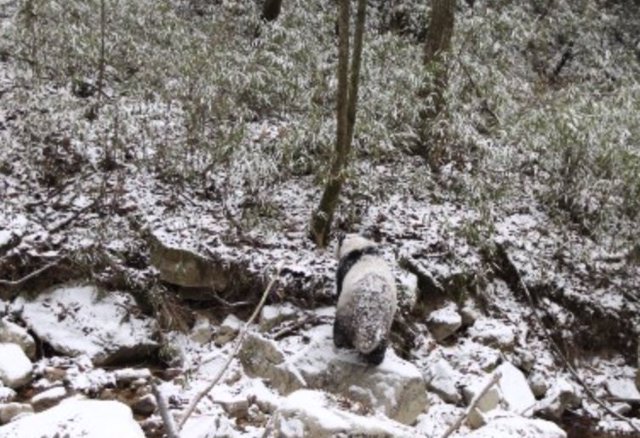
160	162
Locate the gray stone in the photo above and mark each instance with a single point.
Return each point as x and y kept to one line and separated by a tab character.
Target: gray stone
395	387
622	389
444	322
489	401
539	384
516	394
202	331
228	330
442	379
9	411
48	398
306	413
145	405
13	333
493	333
560	397
273	315
15	366
81	320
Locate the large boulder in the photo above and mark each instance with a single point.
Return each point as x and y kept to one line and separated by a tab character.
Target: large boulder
319	415
77	320
77	418
15	366
395	387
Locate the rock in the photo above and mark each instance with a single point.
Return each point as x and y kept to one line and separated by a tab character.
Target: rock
76	417
15	366
442	379
6	394
469	313
493	333
81	320
538	383
189	269
48	398
127	376
202	330
10	411
273	315
488	402
516	394
228	330
622	389
236	406
524	359
444	322
13	333
145	405
318	415
560	397
395	387
518	427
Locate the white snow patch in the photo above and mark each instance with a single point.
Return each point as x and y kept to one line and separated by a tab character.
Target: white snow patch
15	366
516	393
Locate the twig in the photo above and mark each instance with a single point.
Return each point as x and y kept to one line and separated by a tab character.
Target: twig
74	216
167	419
494	379
21	281
233	354
555	346
307	319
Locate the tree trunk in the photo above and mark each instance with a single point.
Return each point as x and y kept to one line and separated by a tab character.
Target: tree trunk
439	34
271	9
347	99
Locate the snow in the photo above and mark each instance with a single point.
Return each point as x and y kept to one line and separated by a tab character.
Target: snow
15	366
77	418
623	389
515	390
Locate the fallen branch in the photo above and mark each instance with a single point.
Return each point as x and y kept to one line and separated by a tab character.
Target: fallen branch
233	354
167	418
494	379
554	345
21	281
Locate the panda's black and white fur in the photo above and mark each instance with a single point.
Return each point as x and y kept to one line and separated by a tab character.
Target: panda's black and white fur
367	299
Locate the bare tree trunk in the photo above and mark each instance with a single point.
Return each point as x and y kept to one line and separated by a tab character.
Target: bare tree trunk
439	34
270	9
347	99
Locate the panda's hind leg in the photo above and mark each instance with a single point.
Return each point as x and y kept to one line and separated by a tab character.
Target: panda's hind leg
340	335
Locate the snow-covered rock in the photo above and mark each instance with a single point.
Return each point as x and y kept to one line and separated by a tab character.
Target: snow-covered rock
539	383
317	414
80	320
6	394
518	427
442	379
623	389
444	322
395	387
77	418
9	411
272	315
126	376
493	333
561	396
15	366
11	332
228	330
48	398
489	401
202	330
516	394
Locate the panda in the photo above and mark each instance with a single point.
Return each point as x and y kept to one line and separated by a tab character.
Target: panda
367	298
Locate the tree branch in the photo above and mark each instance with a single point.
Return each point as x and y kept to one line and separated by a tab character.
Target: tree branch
233	354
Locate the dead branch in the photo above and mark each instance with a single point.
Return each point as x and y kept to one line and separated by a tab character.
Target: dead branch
233	354
494	379
23	280
554	346
167	418
307	319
